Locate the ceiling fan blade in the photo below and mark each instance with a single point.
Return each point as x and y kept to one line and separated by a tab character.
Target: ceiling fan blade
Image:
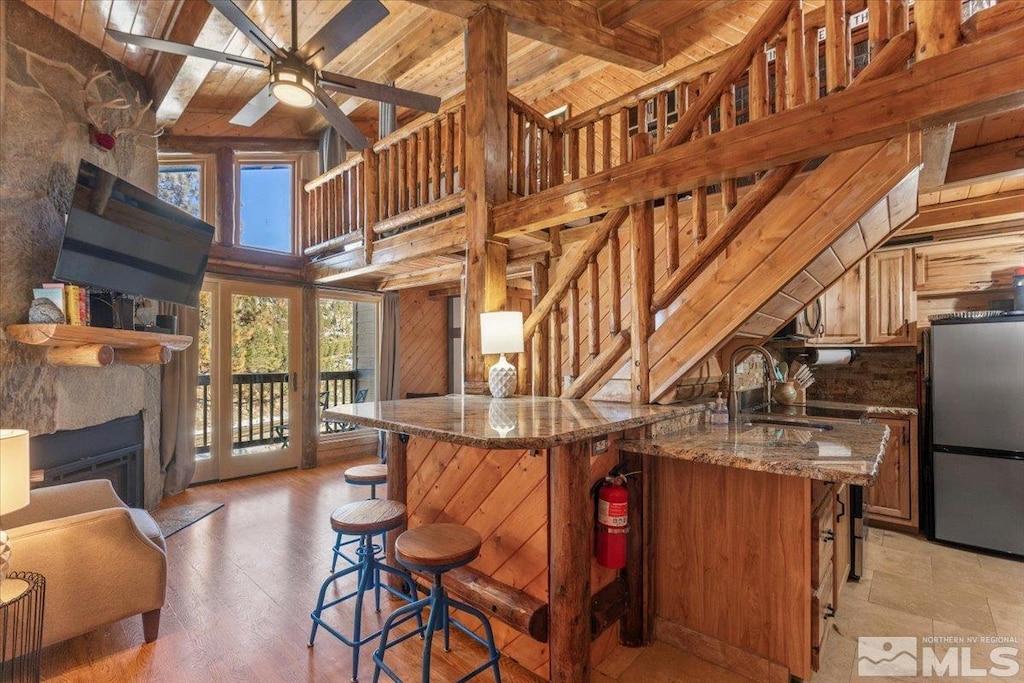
256	108
243	23
347	26
369	90
181	49
339	122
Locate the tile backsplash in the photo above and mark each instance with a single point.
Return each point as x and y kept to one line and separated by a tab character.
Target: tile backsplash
877	376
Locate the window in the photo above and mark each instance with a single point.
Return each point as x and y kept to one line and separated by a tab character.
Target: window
266	192
348	353
182	186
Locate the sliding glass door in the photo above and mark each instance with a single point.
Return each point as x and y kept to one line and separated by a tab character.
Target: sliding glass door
248	395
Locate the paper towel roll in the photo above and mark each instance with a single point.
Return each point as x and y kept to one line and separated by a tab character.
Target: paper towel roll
832	357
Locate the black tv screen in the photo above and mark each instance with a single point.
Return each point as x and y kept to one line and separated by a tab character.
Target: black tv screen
121	238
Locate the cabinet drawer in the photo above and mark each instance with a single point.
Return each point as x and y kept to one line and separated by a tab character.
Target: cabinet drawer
823	535
822	612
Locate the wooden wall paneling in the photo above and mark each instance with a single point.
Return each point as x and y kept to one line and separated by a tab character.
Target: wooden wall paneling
423	342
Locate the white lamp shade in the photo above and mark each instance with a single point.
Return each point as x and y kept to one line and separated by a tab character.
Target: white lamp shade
501	332
14	470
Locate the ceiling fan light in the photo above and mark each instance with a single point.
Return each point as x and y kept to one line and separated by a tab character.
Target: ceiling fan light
291	87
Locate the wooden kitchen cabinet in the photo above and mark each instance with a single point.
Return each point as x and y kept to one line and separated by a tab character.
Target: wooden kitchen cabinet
891	310
837	317
893	500
973	265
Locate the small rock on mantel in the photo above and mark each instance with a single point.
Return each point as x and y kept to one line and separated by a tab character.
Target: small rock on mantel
44	311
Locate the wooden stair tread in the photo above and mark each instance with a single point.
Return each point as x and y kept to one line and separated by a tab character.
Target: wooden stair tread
438	545
366	516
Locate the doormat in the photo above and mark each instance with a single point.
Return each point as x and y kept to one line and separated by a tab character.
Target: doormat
175	518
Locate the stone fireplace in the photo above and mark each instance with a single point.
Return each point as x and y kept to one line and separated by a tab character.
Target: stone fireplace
112	451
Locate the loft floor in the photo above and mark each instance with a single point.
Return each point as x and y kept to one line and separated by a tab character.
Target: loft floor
242	581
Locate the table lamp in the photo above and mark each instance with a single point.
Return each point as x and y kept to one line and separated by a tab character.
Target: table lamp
501	332
14	484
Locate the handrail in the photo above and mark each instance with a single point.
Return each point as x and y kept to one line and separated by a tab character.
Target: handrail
419	122
332	173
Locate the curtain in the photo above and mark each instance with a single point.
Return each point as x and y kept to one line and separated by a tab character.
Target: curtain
387	377
178	381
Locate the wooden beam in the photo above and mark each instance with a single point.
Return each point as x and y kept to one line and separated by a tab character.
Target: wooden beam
986	209
641	274
569	524
204	145
485	179
185	28
969	82
988	162
423	278
615	13
571	26
395	451
225	163
997	18
935	146
180	81
938	31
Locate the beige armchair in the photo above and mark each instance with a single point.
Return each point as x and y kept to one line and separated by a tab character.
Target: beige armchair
102	561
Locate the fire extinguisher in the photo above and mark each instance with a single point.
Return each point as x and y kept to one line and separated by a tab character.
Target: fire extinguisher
612	521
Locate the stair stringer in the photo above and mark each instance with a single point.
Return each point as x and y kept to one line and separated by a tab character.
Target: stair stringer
781	241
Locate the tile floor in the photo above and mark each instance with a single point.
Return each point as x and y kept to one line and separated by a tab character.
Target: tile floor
911	588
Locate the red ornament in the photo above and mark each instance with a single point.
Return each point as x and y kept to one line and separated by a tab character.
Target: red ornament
100	139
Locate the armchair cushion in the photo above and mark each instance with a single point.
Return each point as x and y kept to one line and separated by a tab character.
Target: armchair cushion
101	564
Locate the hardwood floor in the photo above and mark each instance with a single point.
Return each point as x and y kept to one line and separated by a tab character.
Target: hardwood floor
241	584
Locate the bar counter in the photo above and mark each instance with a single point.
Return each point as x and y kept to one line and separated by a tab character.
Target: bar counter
519	471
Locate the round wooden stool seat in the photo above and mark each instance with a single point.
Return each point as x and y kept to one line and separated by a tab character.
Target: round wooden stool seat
367	475
437	547
368	516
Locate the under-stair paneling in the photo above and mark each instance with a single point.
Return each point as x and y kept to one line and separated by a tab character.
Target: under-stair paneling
776	247
423	342
502	495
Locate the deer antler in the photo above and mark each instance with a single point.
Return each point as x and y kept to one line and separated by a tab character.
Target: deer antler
117	103
135	126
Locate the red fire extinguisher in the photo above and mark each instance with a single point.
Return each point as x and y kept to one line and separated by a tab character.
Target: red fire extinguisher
612	522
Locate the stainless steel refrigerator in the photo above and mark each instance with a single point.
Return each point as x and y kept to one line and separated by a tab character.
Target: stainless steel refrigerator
977	432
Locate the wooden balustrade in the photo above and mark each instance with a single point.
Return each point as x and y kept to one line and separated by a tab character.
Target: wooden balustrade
335	211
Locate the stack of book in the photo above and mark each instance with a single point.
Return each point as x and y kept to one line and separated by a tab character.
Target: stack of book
72	300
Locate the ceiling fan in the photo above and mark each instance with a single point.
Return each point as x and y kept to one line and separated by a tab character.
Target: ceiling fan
296	78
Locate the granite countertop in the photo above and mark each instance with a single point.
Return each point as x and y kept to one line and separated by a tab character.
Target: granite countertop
868	409
844	452
500	423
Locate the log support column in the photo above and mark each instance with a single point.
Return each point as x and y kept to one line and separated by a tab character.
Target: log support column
486	182
569	528
938	31
395	443
641	272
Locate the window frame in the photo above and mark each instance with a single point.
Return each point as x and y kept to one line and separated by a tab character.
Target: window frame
292	159
207	182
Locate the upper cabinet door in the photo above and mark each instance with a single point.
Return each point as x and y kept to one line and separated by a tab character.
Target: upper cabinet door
842	310
892	312
976	265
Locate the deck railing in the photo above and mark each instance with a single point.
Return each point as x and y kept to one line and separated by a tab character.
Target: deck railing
259	406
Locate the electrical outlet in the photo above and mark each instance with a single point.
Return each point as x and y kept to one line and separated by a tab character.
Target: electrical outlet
600	445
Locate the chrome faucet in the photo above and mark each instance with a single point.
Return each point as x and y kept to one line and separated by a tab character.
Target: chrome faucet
769	376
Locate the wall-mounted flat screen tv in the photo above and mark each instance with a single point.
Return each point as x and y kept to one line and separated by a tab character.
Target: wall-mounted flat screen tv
121	238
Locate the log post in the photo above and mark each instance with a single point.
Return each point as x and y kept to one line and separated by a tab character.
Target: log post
486	180
309	387
89	355
837	46
225	161
641	271
569	527
938	31
371	199
539	363
149	355
395	448
797	74
878	24
637	629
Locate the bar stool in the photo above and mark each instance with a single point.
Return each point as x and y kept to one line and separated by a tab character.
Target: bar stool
361	475
434	549
365	519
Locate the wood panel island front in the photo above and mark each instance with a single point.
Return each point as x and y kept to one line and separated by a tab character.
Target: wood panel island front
520	472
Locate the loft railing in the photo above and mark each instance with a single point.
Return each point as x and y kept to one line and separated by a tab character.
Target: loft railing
259	406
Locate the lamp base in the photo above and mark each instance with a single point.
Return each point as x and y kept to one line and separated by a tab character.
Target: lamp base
5	554
502	378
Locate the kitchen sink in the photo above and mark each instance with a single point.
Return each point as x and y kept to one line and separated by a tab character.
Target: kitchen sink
778	422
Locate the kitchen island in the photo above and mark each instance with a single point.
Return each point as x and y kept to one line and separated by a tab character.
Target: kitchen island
720	556
519	471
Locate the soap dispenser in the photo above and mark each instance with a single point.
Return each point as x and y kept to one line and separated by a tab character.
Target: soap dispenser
719	413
